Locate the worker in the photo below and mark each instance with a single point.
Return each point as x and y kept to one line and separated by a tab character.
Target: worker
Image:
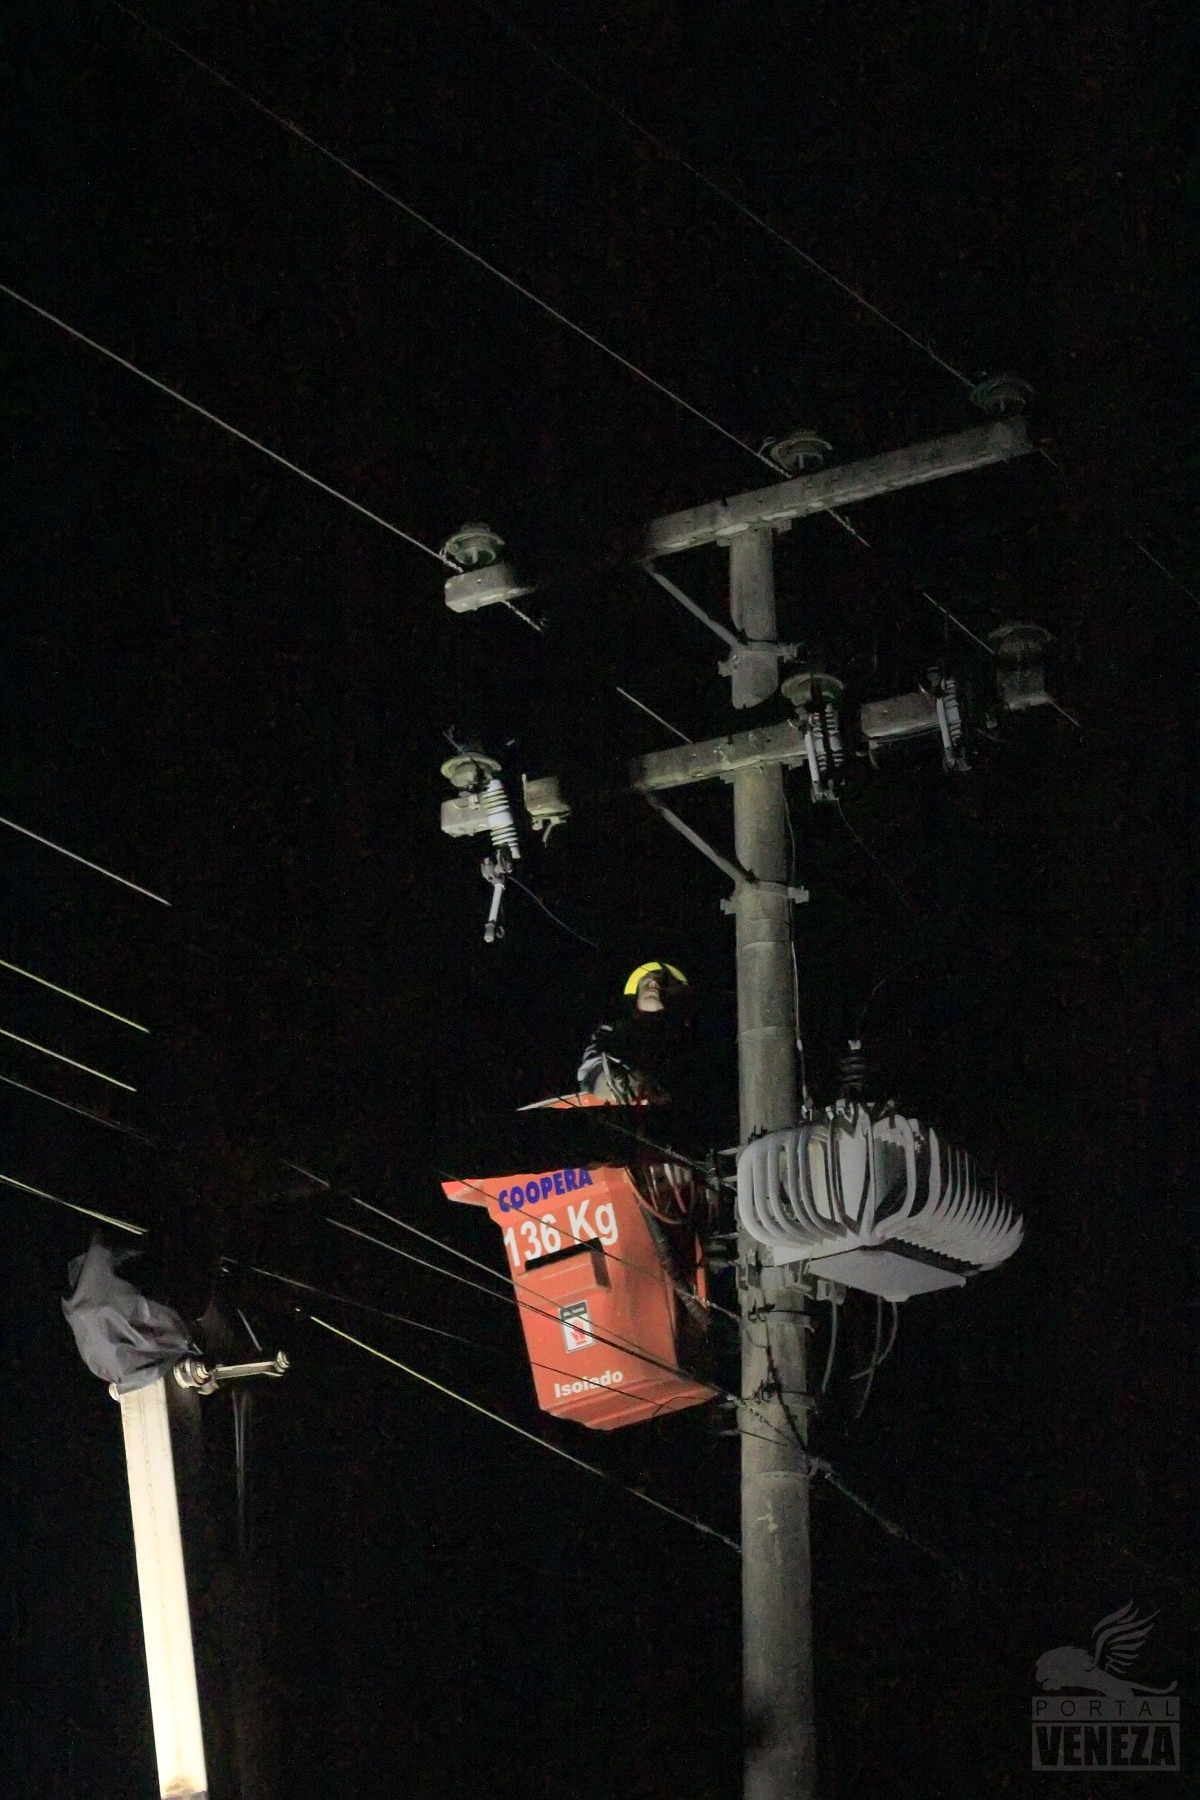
630	1061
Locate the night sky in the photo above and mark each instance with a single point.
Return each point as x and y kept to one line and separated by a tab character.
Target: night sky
234	690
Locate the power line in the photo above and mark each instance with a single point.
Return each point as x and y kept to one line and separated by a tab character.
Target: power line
78	998
625	1345
420	1325
446	237
429	1238
379	1312
530	1436
867	851
96	1118
69	1060
24	830
780	237
818	1466
1163	570
235	431
89	1212
657	717
527	293
723	193
421	1262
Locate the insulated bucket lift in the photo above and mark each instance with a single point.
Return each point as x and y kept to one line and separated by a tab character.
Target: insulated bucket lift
876	1201
608	1278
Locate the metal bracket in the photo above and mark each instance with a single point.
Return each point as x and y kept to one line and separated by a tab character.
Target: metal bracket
739	645
205	1378
741	878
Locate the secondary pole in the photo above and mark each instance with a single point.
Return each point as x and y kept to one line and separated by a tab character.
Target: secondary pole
777	1664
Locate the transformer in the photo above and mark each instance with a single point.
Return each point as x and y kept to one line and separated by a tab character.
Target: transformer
874	1200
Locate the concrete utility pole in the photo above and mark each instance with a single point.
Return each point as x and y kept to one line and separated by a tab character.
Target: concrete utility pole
777	1670
777	1656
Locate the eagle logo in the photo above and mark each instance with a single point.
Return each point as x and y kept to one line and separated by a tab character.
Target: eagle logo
1117	1642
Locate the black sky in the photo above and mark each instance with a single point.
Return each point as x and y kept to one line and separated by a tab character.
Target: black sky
234	690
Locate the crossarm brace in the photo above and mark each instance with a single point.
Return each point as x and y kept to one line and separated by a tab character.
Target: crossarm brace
740	877
786	652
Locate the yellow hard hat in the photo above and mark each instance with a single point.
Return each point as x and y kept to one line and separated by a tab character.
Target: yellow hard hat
653	968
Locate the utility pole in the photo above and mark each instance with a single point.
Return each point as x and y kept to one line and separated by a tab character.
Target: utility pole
780	1760
777	1667
777	1646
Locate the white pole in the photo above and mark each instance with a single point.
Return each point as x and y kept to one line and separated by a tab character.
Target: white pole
162	1585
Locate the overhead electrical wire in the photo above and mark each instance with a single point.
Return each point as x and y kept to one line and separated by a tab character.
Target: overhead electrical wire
550	914
447	237
657	717
817	1466
69	1060
921	345
96	1118
626	1345
11	824
89	1212
1163	570
505	1279
421	1262
633	368
356	174
723	193
379	1312
395	1318
67	994
501	1277
235	431
530	1437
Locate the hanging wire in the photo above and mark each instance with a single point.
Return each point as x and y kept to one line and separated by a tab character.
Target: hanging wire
11	824
234	431
96	1118
531	1437
69	1060
250	1332
242	1412
69	995
805	1091
834	1309
878	1358
561	923
891	880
